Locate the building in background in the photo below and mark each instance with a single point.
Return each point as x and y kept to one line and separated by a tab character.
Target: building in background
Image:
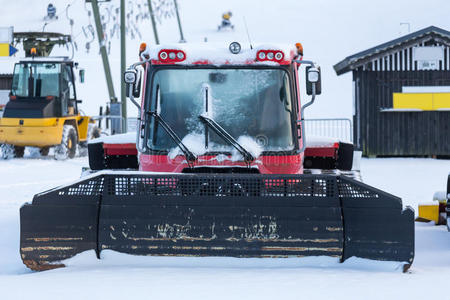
5	88
402	95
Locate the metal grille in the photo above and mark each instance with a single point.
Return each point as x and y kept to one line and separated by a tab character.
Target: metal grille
223	186
338	128
89	187
132	124
351	189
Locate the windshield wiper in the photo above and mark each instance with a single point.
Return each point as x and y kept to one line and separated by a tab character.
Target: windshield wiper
248	158
190	157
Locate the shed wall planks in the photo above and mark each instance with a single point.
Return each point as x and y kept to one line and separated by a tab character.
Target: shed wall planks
399	133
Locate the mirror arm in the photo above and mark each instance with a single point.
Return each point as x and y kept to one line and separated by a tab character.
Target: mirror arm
302	110
130	95
139	136
302	116
130	86
306	62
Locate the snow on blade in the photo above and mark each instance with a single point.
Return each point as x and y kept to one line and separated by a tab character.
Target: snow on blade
125	138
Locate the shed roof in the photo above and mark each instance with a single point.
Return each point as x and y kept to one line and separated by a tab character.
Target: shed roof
358	59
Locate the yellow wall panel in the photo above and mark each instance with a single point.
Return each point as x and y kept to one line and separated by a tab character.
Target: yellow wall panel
413	101
441	100
4	49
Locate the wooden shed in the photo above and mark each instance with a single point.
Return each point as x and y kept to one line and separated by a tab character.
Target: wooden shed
402	95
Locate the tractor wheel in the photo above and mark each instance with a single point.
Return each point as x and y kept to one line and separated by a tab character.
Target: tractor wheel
19	151
94	132
44	151
68	146
6	151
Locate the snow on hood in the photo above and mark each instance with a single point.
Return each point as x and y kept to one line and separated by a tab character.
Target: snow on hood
250	145
196	144
320	141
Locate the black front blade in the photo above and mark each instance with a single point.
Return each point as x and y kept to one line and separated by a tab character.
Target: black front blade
240	215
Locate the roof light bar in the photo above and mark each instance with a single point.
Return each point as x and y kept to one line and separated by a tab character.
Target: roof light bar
171	55
270	55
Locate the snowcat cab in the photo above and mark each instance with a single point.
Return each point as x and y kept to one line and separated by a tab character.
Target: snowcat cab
233	118
221	142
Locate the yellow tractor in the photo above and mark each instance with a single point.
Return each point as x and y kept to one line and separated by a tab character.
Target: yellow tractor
42	110
437	211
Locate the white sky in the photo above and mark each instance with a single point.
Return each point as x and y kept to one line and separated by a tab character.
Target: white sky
329	30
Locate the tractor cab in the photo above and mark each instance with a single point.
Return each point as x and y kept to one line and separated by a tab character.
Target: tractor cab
43	88
42	110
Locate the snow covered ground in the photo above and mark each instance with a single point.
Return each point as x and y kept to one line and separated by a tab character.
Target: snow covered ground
330	31
118	276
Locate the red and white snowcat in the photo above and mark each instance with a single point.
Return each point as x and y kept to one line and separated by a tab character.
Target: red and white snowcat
219	150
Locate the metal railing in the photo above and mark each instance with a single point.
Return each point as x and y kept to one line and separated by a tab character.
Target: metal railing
106	123
339	128
132	124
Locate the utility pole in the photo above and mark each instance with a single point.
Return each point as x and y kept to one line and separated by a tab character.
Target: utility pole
182	40
152	17
101	42
123	99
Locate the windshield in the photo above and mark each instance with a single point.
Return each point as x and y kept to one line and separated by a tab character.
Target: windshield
36	80
252	105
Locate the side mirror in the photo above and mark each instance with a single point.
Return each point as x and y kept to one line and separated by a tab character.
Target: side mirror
133	79
81	74
313	77
129	77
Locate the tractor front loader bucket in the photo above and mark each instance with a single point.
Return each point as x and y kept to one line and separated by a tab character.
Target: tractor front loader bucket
235	215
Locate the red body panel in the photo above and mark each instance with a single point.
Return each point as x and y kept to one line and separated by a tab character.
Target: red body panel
120	149
286	164
321	151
